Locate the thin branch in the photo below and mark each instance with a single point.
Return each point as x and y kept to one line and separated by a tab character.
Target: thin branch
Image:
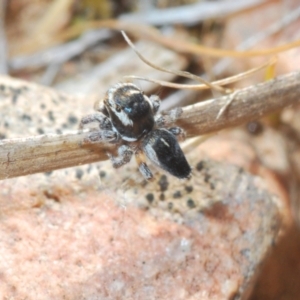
45	153
48	152
249	104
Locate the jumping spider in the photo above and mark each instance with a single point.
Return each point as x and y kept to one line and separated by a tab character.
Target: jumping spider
129	118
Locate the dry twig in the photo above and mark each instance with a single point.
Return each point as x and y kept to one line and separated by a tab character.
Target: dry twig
45	153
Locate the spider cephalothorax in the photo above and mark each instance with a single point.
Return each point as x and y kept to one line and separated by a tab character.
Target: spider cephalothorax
128	118
130	111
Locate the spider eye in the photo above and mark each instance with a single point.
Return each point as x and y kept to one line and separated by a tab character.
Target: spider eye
128	110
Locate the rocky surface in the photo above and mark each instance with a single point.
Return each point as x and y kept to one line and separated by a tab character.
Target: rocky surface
200	239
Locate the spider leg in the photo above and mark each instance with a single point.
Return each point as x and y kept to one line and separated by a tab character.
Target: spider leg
155	100
102	136
103	121
168	118
178	132
143	167
106	132
124	155
160	121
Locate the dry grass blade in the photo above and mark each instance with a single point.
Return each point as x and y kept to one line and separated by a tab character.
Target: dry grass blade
224	81
175	72
50	152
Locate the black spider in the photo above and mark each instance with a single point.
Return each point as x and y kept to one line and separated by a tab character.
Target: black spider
129	118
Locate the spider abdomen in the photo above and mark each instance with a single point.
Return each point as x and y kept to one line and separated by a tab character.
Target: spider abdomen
162	148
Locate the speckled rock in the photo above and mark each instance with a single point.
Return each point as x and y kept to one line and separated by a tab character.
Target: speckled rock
204	240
